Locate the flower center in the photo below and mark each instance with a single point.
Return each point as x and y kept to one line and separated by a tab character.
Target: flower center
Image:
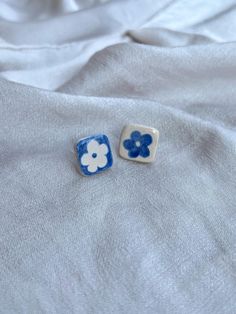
94	155
138	144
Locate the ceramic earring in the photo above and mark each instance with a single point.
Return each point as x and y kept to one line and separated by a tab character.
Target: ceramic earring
139	143
94	154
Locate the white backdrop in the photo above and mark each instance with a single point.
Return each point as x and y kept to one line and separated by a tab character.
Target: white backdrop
154	238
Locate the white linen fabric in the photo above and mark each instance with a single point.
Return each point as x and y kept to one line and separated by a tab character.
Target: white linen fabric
158	238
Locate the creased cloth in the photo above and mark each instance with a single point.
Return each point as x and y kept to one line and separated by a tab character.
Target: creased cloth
148	239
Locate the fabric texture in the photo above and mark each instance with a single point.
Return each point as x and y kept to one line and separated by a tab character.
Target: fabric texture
138	238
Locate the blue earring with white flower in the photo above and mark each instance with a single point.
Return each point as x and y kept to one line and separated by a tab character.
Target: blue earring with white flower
94	154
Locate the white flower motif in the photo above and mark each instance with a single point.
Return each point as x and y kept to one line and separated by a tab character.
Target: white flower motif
96	156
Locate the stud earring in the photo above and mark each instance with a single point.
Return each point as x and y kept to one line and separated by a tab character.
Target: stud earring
139	143
94	154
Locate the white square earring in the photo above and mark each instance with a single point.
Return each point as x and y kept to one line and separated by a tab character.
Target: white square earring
139	143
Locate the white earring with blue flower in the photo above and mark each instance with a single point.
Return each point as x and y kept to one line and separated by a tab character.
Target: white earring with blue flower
94	154
139	143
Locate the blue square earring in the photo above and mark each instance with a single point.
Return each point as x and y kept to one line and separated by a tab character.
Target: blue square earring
94	154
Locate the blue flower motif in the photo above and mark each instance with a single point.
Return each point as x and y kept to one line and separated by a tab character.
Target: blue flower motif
138	144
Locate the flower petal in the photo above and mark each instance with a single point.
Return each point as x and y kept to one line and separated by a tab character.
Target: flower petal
86	160
134	152
146	139
135	135
129	144
103	149
144	151
93	147
92	167
101	161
